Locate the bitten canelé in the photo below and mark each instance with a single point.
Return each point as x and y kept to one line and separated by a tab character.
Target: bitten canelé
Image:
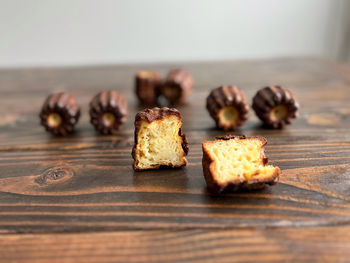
159	140
228	106
177	86
147	84
108	111
60	113
275	106
236	162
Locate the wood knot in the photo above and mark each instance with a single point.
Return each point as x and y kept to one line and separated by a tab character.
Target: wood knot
55	175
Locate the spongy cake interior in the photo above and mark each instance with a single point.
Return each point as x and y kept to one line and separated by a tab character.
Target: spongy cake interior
159	142
238	160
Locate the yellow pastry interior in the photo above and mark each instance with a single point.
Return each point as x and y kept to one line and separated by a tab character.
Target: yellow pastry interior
159	143
279	112
54	120
146	74
238	159
108	119
228	115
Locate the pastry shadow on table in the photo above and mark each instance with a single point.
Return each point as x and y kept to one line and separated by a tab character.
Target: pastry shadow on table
165	177
86	132
238	202
75	137
249	126
210	132
189	182
259	129
81	139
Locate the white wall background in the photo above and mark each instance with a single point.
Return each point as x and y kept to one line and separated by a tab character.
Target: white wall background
69	32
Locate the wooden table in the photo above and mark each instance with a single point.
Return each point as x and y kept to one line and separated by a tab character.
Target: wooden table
77	199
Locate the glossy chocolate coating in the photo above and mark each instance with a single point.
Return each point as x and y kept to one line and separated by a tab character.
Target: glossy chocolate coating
177	86
60	113
228	106
275	106
147	87
108	111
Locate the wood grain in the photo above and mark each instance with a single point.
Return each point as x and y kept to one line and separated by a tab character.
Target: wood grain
314	244
85	182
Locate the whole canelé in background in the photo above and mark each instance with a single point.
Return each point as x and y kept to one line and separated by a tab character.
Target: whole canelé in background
177	86
147	86
275	106
228	106
108	111
60	113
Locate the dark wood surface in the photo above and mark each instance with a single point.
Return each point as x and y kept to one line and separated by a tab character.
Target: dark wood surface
78	199
283	244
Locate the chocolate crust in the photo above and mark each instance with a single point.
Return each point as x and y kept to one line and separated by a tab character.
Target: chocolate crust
147	84
216	188
268	98
228	96
67	110
108	102
180	82
150	115
229	137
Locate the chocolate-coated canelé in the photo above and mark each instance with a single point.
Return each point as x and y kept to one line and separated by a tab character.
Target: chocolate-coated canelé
60	113
177	86
147	86
228	106
108	111
275	106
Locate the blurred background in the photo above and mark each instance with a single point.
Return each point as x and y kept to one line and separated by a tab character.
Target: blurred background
83	32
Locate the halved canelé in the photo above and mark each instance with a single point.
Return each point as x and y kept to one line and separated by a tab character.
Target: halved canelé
159	140
237	162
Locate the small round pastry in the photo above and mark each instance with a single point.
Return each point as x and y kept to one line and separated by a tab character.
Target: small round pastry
108	111
60	113
146	86
228	106
275	106
177	86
